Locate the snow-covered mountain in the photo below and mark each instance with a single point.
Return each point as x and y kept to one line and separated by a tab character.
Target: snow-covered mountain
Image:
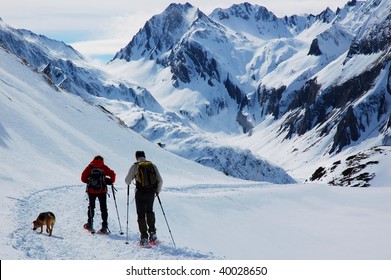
48	136
242	69
68	70
233	89
49	133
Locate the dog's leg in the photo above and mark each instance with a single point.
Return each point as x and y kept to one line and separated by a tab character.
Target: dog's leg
51	229
41	229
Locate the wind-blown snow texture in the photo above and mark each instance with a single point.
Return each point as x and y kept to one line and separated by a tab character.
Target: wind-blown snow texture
49	133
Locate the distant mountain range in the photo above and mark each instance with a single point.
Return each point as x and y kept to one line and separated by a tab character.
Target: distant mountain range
240	90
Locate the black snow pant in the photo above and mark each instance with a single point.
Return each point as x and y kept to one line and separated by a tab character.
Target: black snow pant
145	215
103	208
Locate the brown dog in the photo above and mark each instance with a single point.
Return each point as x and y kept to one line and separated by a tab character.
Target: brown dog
45	218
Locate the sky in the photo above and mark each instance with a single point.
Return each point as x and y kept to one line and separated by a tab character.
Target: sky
100	30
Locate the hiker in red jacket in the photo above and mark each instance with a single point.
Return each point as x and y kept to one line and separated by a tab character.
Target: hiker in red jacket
97	176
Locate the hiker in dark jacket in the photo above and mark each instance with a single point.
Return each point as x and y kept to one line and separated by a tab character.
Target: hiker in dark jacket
108	178
144	198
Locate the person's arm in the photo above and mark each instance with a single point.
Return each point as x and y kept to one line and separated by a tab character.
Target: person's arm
159	180
110	173
131	173
85	174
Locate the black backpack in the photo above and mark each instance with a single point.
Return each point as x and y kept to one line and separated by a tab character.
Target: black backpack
146	178
96	180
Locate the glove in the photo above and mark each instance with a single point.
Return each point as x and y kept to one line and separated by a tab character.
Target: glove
108	181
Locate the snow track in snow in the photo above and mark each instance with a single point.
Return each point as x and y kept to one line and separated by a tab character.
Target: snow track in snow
65	242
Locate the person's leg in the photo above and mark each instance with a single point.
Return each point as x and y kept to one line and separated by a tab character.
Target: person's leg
91	210
150	215
103	209
141	212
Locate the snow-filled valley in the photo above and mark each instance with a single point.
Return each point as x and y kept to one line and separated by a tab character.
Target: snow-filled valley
48	136
272	136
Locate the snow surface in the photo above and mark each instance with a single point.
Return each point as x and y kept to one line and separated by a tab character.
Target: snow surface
48	136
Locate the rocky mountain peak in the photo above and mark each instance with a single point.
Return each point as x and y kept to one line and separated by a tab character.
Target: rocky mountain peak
245	11
161	33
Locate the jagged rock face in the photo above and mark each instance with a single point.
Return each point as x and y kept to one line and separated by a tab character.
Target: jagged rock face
332	107
245	11
269	100
183	47
315	49
234	91
352	171
264	23
347	130
204	64
375	36
160	34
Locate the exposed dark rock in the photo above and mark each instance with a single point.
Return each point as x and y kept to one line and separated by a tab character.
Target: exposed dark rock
192	54
269	100
347	131
306	95
352	172
314	48
233	91
319	173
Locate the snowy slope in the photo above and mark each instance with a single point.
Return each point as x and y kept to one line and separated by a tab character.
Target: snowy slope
47	136
303	87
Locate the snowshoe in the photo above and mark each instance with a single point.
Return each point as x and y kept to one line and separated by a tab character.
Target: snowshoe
154	243
144	243
152	239
103	231
89	228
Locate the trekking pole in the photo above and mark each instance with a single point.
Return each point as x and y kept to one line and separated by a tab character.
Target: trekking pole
164	214
127	217
116	208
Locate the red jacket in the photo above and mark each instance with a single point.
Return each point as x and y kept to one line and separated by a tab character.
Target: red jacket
105	169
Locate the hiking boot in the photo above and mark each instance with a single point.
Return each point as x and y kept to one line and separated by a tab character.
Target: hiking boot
104	230
152	237
88	226
143	242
